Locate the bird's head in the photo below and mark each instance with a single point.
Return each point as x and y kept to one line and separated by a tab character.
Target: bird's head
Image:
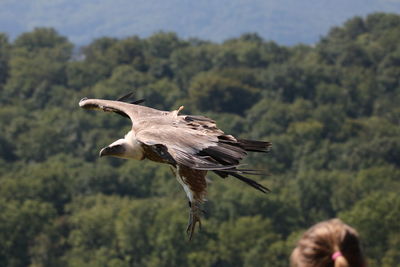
124	148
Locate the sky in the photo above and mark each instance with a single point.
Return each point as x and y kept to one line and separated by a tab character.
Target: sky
287	22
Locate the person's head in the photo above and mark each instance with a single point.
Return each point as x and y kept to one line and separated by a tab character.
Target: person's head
328	244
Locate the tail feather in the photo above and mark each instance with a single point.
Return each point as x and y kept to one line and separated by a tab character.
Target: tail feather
255	146
250	182
236	173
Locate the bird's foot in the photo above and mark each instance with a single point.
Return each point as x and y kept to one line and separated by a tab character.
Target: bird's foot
194	218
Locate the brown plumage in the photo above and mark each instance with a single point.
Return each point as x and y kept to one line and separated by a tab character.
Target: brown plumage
191	145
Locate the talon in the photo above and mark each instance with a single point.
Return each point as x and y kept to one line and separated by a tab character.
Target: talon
193	219
189	223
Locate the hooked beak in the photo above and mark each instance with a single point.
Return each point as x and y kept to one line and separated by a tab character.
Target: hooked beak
115	151
103	152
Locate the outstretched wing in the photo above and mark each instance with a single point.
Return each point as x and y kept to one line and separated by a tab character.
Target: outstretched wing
133	111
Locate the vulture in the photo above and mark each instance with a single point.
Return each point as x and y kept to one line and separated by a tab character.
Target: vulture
191	145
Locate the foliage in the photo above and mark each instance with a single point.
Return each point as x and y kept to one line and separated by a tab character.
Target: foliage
331	112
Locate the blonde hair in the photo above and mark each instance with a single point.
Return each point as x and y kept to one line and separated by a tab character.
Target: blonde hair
321	241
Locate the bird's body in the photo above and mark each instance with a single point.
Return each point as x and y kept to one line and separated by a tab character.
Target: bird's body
191	145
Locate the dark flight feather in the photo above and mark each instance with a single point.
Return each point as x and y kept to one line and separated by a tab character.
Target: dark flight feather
125	97
128	99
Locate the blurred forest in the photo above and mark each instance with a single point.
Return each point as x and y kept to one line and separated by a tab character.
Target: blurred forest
331	111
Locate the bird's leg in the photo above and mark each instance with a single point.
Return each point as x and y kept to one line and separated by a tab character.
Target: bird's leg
194	217
195	192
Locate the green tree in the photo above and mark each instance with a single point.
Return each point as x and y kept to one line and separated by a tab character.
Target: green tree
4	58
37	64
20	223
212	92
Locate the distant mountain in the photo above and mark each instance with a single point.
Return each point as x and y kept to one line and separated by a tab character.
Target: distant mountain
284	21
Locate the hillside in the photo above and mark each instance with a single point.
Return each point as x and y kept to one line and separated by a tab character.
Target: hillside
330	110
287	22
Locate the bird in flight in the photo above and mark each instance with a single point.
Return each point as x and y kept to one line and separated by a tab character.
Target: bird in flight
191	145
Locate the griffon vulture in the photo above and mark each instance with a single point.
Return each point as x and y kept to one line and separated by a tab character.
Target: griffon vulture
191	145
